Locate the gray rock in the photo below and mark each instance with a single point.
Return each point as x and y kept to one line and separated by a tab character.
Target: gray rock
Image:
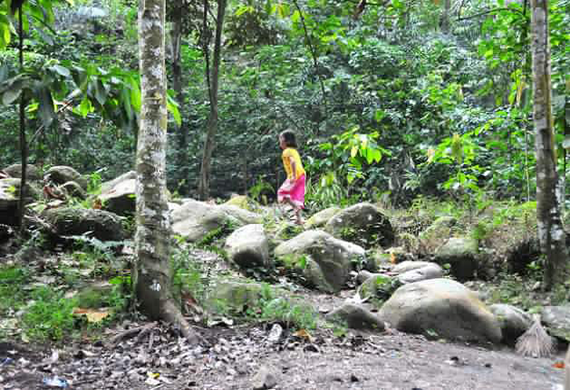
409	265
248	247
234	297
323	260
15	170
557	319
461	254
356	317
443	307
100	224
363	224
428	271
120	198
61	174
321	218
74	189
514	322
267	377
9	199
378	288
194	220
108	185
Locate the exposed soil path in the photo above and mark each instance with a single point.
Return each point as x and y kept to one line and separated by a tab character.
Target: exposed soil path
393	360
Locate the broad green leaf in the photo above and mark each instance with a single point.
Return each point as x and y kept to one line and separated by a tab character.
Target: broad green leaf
11	95
173	109
353	151
126	100
61	70
296	16
100	92
85	107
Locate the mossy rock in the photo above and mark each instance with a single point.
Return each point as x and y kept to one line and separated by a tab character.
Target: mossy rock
69	221
234	298
378	288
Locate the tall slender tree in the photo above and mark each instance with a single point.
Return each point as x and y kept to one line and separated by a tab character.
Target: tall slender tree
212	79
152	275
550	232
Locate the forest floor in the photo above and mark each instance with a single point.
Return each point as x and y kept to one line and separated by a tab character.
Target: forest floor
142	355
132	353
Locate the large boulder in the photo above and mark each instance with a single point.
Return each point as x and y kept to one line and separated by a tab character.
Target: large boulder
557	319
69	221
324	261
416	271
514	322
356	317
234	297
195	220
120	198
61	174
441	307
377	287
32	172
108	185
461	254
248	247
9	199
321	218
363	224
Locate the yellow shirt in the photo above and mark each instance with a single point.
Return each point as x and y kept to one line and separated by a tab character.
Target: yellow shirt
286	157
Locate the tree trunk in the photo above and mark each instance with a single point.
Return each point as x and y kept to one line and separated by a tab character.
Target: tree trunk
152	275
23	142
181	131
212	126
445	16
550	232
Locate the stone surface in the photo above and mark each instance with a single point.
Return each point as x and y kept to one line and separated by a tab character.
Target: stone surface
461	254
441	307
356	317
61	174
514	321
100	224
363	224
248	247
557	319
324	260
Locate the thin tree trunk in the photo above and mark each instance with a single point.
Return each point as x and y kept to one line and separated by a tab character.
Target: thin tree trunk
181	131
550	232
212	125
445	16
152	276
23	141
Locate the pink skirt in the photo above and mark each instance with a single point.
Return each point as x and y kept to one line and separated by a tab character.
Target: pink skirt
296	192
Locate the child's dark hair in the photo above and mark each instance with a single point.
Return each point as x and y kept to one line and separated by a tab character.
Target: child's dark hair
289	138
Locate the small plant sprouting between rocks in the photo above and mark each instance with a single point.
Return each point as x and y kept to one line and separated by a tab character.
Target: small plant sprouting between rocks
209	240
189	277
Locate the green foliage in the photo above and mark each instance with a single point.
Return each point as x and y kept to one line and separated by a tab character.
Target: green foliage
188	274
48	315
11	294
274	308
260	190
214	235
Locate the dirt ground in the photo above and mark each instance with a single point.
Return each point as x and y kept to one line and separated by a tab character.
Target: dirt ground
158	359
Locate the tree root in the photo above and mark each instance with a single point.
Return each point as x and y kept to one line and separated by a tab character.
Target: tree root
172	314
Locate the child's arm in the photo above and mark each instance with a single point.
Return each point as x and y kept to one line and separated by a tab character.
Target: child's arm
293	169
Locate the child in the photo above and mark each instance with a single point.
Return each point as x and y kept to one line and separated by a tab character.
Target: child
293	189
